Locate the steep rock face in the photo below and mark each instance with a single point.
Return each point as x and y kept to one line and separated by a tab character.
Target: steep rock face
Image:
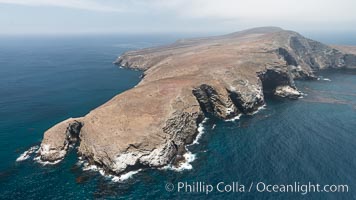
309	54
215	103
222	77
350	60
349	55
316	55
274	77
144	127
279	82
57	139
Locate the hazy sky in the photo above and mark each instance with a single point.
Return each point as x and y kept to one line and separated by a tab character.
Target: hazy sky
192	16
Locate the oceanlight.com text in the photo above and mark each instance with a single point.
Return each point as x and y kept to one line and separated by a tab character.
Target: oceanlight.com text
260	187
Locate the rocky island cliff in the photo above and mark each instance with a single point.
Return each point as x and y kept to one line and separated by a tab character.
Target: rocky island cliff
223	77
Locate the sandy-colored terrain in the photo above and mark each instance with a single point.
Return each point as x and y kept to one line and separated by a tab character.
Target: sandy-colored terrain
223	76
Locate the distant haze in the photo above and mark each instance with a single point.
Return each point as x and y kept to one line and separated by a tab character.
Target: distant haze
171	16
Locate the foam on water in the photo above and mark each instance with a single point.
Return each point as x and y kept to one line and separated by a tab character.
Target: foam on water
259	109
213	127
38	160
123	177
27	154
189	157
186	165
239	116
87	167
234	118
322	78
200	132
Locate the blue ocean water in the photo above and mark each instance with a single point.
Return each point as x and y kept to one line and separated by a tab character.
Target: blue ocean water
44	80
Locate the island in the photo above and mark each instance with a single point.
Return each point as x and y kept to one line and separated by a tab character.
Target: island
221	77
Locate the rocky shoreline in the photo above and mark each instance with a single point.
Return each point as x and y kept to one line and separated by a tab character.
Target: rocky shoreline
220	77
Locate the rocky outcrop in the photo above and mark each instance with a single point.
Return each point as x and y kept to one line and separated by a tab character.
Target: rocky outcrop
287	91
279	82
221	77
215	103
57	139
349	55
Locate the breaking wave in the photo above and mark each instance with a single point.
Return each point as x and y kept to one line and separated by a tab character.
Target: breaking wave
88	167
237	117
28	153
189	157
200	132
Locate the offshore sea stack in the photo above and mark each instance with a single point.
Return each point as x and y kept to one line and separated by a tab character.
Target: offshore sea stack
223	77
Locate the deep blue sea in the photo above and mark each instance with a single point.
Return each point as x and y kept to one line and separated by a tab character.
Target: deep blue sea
44	80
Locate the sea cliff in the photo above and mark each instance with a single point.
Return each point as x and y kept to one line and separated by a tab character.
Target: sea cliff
222	77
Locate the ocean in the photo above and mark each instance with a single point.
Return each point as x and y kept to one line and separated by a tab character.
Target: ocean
44	80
